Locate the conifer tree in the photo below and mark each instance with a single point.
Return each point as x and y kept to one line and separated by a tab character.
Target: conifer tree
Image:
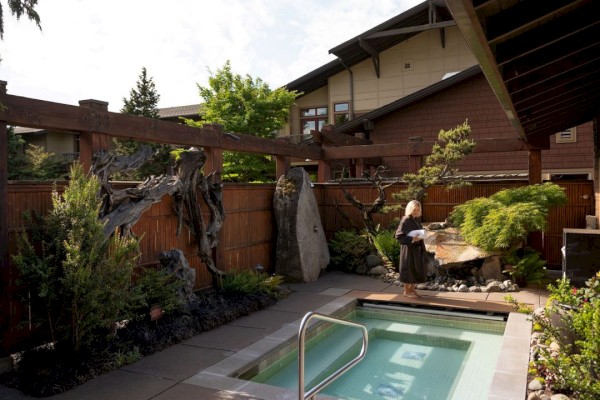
142	102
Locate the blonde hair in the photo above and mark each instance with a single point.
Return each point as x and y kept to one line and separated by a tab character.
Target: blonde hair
410	207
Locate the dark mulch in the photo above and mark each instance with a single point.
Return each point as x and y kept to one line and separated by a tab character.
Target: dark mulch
48	371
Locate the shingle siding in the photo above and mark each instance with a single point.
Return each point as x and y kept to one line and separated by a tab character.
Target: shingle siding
473	100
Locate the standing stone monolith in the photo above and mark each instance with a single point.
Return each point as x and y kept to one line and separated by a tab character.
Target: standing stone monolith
302	250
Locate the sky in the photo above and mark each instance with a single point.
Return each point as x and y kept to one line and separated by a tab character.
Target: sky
89	49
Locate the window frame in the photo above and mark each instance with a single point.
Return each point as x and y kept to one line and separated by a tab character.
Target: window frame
319	119
344	112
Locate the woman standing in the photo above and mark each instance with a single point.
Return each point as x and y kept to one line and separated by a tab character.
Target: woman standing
413	266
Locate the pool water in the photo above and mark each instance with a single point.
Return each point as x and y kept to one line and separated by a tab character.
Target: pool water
411	355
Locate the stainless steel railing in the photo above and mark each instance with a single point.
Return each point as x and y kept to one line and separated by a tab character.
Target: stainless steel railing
301	344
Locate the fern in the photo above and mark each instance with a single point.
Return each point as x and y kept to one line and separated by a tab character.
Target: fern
248	282
386	244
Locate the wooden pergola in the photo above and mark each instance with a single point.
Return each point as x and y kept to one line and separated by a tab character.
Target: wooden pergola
96	126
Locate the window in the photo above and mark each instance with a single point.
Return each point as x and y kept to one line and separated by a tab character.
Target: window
76	143
313	119
341	112
567	136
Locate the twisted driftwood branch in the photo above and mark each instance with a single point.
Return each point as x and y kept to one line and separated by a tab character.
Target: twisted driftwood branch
122	209
187	206
377	205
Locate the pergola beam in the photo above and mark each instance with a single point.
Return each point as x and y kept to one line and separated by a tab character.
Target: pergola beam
33	113
419	149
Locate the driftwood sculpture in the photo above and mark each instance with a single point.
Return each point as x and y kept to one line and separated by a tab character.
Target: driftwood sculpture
377	205
194	185
121	209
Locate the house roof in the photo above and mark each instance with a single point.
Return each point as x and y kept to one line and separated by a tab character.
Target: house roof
189	111
540	58
20	130
427	15
360	124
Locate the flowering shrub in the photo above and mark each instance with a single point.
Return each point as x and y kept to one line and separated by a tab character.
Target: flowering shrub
569	359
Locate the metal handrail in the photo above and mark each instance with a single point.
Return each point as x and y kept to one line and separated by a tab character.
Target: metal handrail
301	335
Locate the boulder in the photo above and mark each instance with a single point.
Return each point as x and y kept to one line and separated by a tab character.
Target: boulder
372	260
450	250
492	269
175	263
302	250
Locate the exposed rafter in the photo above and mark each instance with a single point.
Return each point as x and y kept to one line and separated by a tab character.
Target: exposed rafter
373	52
541	59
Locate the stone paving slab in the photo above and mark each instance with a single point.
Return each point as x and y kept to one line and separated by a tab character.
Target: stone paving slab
303	302
227	337
118	385
267	319
177	362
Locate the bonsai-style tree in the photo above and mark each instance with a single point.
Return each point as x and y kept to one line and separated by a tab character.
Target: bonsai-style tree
248	106
503	221
440	166
367	211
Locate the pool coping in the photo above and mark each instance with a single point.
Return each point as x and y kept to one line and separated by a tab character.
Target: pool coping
509	381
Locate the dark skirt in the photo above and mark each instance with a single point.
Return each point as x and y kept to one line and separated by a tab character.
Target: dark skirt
413	263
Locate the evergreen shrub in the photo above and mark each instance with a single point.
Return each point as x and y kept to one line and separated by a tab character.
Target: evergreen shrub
78	282
348	250
504	220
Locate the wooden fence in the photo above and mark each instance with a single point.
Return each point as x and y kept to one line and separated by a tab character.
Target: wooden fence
249	235
249	231
439	202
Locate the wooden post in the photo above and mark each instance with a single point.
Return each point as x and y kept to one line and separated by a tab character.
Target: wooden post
535	239
6	283
535	166
414	164
89	141
324	173
359	167
282	166
596	174
214	160
3	190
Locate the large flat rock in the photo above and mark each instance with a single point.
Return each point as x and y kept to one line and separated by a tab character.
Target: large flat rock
450	249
